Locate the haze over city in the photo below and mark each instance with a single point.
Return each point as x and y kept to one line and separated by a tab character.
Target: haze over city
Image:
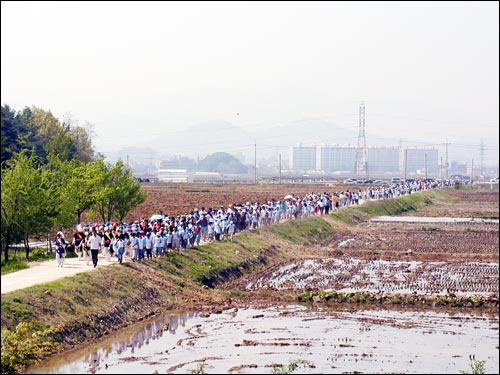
193	78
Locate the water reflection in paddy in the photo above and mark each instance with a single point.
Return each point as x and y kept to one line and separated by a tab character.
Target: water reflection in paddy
348	274
253	340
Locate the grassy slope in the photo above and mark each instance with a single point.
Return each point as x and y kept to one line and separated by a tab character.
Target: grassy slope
87	306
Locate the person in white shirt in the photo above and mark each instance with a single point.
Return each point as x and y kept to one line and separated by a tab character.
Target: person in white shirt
95	245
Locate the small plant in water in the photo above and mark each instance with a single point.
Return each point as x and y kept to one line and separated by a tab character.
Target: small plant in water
477	367
292	366
200	369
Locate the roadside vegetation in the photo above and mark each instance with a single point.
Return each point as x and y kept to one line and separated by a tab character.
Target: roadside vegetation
18	262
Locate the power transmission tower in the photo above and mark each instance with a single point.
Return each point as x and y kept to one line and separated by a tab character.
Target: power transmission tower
361	166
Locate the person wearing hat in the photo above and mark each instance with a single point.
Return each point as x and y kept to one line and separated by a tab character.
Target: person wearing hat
106	243
60	249
120	246
78	241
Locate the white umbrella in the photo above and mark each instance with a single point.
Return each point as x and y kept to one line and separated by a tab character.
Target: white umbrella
288	196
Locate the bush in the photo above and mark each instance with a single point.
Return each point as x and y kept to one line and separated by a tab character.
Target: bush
292	366
25	346
477	367
38	252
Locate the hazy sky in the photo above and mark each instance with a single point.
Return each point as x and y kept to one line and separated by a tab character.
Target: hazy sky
427	72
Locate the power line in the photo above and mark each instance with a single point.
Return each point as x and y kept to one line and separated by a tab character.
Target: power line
434	120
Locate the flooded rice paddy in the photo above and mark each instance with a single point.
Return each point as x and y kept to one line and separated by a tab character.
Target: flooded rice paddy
428	219
252	341
349	274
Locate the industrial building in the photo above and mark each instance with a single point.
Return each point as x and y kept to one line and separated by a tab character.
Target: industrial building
337	158
304	158
384	159
421	160
381	159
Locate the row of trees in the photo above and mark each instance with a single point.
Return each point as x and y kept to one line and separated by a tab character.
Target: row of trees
38	197
40	131
47	181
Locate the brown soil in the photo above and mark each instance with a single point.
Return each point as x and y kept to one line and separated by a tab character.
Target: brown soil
419	241
177	199
481	204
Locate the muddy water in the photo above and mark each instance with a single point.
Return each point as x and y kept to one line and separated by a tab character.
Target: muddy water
427	219
347	274
253	340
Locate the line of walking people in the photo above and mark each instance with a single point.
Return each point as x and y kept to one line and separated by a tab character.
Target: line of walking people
147	239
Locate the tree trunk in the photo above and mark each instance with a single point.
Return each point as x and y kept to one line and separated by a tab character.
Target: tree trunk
6	252
7	243
27	247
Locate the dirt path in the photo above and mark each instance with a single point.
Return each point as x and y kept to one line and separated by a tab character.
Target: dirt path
43	272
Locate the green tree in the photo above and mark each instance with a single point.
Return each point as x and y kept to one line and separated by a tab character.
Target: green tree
62	146
59	182
80	135
24	200
42	127
10	133
39	130
80	189
116	191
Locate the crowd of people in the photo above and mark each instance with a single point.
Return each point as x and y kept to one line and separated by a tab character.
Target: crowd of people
147	239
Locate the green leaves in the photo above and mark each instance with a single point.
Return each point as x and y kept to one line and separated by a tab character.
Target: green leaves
37	198
25	346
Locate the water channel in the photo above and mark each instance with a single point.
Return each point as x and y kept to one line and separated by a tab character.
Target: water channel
252	341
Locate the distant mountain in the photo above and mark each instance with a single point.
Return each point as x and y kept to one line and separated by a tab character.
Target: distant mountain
205	138
308	131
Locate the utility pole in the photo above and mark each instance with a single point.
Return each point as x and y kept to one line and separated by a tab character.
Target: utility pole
425	165
441	168
280	170
481	156
255	163
406	161
127	162
472	173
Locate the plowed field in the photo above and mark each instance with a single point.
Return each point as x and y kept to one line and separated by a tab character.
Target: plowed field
175	199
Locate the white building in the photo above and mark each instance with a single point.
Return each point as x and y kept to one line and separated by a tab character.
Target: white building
304	158
173	175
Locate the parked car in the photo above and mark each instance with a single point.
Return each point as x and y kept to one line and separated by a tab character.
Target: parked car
494	179
351	181
396	180
380	182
